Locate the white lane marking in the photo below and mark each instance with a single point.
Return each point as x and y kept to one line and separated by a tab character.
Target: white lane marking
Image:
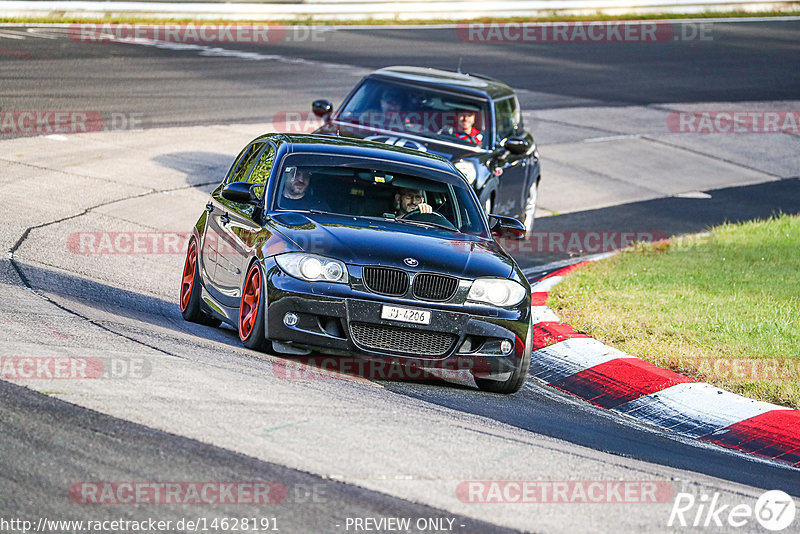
44	33
11	35
693	194
208	51
611	138
694	409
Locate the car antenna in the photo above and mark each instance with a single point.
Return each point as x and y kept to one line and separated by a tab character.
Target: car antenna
458	69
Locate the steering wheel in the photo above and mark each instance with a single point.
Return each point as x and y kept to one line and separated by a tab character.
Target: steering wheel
433	217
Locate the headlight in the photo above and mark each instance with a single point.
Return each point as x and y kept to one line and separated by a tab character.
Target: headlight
312	267
496	291
467	169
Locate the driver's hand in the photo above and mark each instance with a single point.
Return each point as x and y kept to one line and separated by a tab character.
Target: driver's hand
424	208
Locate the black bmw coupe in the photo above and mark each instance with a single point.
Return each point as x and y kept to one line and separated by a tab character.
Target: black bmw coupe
355	248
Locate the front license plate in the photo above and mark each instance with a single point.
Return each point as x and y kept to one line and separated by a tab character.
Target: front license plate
405	315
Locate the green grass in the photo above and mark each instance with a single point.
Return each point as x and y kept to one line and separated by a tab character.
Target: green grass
551	17
723	307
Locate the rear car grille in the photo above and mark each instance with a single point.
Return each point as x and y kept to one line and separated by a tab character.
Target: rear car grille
434	286
385	281
402	340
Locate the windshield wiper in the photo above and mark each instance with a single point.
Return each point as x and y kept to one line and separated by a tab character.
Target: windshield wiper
426	223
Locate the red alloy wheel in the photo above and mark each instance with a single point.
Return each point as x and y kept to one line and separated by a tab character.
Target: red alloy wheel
248	309
189	269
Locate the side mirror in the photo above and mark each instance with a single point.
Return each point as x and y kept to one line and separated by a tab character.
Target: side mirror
322	108
518	145
506	227
241	192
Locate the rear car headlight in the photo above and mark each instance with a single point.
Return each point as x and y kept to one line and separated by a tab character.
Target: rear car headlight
312	267
467	169
496	291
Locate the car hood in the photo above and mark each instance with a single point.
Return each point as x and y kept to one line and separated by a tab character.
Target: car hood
367	241
424	144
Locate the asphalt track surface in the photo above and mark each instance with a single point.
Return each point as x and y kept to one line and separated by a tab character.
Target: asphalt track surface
538	434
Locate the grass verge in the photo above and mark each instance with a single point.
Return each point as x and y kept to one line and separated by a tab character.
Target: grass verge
549	17
722	307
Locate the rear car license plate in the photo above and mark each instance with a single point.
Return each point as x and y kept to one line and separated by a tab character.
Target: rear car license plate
393	313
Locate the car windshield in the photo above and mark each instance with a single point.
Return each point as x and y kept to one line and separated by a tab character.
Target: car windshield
375	189
419	111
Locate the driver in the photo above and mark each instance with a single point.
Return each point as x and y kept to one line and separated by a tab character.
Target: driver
407	200
392	100
465	127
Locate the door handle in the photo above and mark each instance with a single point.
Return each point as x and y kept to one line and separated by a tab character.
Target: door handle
209	207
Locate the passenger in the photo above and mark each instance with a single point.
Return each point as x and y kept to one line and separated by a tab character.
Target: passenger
407	200
296	195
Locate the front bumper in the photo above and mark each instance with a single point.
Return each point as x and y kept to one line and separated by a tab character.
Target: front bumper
339	320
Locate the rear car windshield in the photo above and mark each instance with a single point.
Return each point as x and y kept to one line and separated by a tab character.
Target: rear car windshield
418	111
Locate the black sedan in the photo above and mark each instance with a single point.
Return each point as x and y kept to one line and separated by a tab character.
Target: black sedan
473	121
354	248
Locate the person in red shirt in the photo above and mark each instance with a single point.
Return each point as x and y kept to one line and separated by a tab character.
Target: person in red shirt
465	127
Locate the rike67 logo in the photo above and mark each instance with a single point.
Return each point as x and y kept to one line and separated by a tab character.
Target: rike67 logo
774	510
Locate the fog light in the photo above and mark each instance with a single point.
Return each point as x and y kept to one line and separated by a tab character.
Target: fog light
290	319
506	346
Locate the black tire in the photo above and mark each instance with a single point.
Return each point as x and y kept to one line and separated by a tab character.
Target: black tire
251	310
531	201
516	380
189	301
487	203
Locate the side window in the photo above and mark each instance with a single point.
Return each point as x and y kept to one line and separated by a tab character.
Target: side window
246	163
262	170
235	165
508	117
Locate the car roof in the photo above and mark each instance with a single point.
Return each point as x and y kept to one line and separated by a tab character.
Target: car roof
473	84
344	146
